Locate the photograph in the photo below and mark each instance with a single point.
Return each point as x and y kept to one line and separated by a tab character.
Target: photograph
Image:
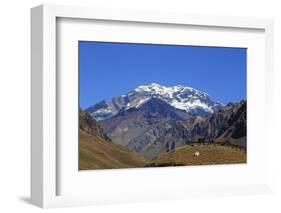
161	105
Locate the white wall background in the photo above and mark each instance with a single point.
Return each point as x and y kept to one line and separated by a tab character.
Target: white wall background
15	103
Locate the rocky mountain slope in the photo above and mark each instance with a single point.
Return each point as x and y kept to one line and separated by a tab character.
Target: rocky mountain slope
236	131
90	126
138	128
224	126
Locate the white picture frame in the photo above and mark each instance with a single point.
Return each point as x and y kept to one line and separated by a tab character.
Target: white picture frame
45	168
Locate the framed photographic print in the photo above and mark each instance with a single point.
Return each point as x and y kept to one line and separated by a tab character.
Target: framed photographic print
149	106
160	125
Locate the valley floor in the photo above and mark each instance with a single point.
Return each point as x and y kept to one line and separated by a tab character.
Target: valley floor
201	155
98	154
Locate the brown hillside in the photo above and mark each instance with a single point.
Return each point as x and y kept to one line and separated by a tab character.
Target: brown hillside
96	150
95	153
209	155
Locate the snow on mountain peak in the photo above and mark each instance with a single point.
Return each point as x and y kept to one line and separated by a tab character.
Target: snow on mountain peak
149	88
180	97
154	88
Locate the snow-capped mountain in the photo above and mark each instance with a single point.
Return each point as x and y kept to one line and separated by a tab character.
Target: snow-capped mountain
180	97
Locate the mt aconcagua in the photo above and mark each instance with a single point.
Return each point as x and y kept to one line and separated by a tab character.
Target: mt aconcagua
180	97
154	119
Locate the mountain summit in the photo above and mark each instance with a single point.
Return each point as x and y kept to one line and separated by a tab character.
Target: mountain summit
190	100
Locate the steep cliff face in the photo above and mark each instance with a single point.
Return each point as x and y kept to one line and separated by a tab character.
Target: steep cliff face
236	131
90	126
231	118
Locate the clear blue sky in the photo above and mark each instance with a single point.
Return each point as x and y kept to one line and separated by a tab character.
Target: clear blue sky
112	69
